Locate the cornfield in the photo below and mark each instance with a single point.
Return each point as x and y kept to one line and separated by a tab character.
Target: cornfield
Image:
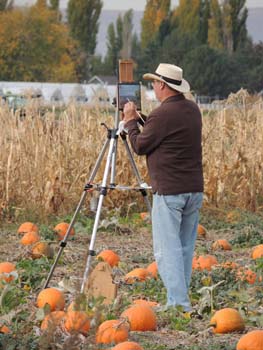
46	160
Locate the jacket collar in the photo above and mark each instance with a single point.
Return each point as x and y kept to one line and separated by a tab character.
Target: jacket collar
174	98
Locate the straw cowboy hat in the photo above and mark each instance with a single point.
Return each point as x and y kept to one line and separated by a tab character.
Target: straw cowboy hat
170	75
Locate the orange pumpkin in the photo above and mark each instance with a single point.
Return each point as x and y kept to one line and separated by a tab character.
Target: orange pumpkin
153	269
226	321
145	302
27	227
141	318
251	341
4	329
41	249
257	252
53	320
61	230
204	262
127	345
246	275
136	275
5	269
77	322
229	265
112	331
30	237
201	231
221	244
145	215
53	297
110	257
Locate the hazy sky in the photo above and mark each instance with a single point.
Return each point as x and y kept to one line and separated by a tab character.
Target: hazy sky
137	5
140	4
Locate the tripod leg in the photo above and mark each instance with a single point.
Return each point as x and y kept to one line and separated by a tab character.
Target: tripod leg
136	172
114	155
98	161
103	193
113	165
63	243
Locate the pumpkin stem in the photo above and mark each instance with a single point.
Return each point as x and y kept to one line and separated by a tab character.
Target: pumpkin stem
125	320
122	321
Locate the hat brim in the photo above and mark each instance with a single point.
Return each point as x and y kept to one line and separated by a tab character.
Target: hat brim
183	87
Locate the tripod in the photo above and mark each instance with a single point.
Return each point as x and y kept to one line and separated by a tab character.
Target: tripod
110	168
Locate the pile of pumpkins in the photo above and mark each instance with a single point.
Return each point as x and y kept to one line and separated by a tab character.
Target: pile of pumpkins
138	317
207	262
32	239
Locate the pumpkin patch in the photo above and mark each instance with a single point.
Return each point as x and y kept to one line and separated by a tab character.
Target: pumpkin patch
136	318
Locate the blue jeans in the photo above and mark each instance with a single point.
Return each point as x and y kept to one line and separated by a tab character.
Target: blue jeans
174	224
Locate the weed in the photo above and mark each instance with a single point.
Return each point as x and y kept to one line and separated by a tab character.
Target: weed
32	272
11	297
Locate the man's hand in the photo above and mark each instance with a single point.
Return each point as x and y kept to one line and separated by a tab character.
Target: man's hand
129	111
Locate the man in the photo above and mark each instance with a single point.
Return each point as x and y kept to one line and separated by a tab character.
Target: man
171	141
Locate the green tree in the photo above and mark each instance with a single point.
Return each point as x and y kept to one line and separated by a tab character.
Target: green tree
119	29
35	47
6	5
54	4
112	50
136	52
212	72
204	17
239	15
42	3
215	26
155	12
127	29
83	16
227	25
120	41
188	17
149	59
249	59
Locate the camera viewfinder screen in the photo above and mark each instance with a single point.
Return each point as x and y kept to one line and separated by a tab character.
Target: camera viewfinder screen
129	92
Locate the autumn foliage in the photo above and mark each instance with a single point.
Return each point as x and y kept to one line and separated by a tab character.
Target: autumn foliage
35	46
